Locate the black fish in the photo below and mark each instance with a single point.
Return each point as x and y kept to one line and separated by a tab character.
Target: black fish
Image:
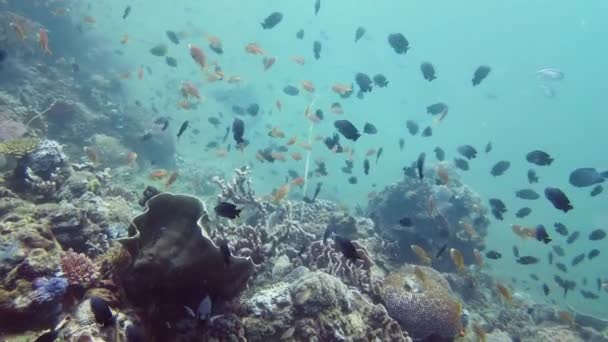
439	153
316	49
412	127
588	295
352	180
319	114
163	122
172	37
540	158
541	234
126	12
558	250
300	34
480	74
427	132
380	80
467	151
550	258
48	336
101	311
516	251
359	33
527	260
182	129
499	168
561	229
366	167
561	267
437	108
401	144
227	210
498	208
253	109
558	199
225	250
523	212
428	71
291	90
75	66
534	277
406	222
379	153
420	165
441	250
461	164
546	289
272	20
172	62
225	137
364	82
317	191
238	110
532	177
527	194
369	128
586	176
488	147
317	6
238	130
398	42
333	142
494	255
134	333
573	237
598	189
597	234
577	259
593	254
347	248
3	55
347	129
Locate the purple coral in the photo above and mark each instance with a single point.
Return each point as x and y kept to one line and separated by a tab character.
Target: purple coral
48	289
78	268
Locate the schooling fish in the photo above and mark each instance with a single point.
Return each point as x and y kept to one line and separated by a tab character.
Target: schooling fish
467	151
227	210
427	132
347	129
316	49
516	251
561	229
527	194
586	176
272	20
420	165
364	82
558	250
399	43
523	212
494	255
428	71
488	147
480	74
597	234
359	33
347	248
540	158
500	168
439	153
550	258
366	167
101	311
541	234
126	12
182	129
532	177
406	222
238	130
380	80
577	259
598	189
441	250
558	199
527	260
317	6
461	164
369	128
588	294
412	127
561	267
436	108
593	254
573	237
546	289
300	34
401	144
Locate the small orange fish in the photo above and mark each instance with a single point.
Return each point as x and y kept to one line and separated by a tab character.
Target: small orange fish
298	181
125	75
89	19
443	175
281	193
18	28
296	156
504	292
567	318
140	73
172	178
299	60
336	108
305	145
215	43
268	62
260	157
158	174
132	159
372	194
278	156
279	105
469	229
184	104
292	141
92	154
43	39
276	132
198	55
422	254
341	88
479	333
221	153
254	49
308	86
478	257
370	152
457	259
188	89
124	40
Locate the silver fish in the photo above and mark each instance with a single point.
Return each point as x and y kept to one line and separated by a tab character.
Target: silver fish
550	75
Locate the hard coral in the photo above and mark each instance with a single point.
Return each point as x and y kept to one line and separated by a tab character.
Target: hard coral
19	147
79	269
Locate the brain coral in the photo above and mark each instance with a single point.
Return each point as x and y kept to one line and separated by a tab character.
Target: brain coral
430	311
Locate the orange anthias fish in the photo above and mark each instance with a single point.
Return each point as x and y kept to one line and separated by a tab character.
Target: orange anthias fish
523	232
215	42
132	159
305	145
125	75
278	156
172	178
443	175
158	174
18	28
298	181
308	86
124	40
184	104
140	73
254	49
504	293
458	259
422	254
479	333
89	19
296	156
188	89
281	193
469	229
268	62
43	39
336	108
92	154
478	257
370	152
292	141
298	59
234	79
198	55
567	318
341	88
276	132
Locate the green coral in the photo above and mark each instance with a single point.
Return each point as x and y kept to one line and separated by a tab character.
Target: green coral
19	147
94	186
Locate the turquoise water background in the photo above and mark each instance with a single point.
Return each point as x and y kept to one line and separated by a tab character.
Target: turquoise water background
515	38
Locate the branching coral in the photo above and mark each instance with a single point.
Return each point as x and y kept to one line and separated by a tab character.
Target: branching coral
239	191
79	269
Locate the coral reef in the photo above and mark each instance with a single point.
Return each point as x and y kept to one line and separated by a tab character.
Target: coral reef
79	269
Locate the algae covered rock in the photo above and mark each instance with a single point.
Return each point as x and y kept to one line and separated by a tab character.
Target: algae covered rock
174	261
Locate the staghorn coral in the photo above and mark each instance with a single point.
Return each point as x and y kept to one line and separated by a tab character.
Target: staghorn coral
423	308
79	269
239	191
